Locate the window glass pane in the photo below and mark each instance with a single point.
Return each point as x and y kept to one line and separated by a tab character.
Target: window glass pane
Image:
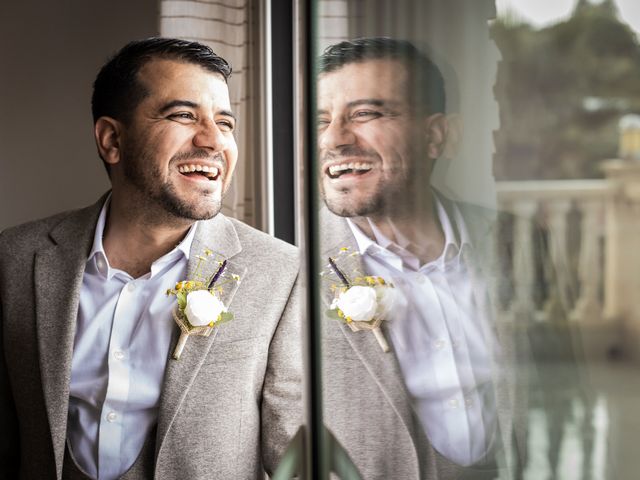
476	237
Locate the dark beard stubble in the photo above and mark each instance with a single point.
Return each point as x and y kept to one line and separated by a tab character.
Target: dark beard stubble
165	195
342	207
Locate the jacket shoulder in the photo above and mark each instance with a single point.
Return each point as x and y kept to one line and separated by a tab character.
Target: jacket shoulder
256	241
31	234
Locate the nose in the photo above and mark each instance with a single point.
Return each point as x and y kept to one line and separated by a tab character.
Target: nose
336	134
210	136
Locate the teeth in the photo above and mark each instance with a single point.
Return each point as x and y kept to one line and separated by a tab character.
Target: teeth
335	169
363	166
199	168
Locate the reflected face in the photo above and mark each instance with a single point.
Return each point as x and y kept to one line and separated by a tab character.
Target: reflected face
178	151
369	137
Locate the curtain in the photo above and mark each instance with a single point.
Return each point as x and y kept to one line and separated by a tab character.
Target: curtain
333	22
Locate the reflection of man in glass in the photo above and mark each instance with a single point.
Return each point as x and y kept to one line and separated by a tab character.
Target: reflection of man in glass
437	405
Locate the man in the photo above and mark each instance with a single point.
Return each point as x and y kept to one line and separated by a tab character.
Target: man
88	388
440	403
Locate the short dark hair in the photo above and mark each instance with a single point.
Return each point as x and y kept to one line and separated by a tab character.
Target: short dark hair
117	91
426	79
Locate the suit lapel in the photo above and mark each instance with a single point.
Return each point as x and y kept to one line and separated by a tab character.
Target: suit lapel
385	370
383	367
218	235
58	277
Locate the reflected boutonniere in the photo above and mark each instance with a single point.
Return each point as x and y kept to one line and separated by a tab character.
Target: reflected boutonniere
200	307
361	301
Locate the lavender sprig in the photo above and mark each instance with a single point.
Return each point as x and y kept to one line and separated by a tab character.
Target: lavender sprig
216	276
338	272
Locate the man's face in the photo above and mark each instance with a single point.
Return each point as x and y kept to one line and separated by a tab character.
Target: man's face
369	137
178	151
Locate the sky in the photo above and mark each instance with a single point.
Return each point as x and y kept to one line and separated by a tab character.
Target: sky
541	13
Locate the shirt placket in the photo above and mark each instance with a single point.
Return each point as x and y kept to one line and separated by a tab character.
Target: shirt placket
459	428
111	419
460	312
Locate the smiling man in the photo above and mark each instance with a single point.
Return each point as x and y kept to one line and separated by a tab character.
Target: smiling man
440	403
88	385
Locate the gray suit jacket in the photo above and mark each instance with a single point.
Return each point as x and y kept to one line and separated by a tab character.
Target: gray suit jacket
228	407
366	403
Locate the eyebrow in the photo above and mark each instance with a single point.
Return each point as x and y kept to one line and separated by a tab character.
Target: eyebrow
376	102
177	103
228	113
186	103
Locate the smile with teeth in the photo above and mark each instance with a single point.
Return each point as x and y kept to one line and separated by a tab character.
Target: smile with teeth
209	172
358	168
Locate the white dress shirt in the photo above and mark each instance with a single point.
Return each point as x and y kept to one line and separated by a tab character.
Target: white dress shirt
123	334
439	335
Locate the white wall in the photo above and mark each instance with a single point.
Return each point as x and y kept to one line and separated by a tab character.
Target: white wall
50	53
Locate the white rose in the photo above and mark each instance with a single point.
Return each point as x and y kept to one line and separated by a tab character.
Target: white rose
358	303
203	308
386	297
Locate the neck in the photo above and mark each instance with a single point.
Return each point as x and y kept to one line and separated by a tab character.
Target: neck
132	241
417	222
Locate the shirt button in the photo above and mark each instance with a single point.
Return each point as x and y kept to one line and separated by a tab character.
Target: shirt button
468	401
453	403
439	344
100	264
112	417
131	286
118	354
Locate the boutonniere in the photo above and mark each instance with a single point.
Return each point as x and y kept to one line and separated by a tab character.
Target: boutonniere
200	307
361	301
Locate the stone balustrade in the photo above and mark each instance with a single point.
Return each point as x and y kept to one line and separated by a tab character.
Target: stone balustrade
581	240
559	239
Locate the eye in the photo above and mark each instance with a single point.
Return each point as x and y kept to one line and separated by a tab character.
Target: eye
365	115
322	122
226	125
182	117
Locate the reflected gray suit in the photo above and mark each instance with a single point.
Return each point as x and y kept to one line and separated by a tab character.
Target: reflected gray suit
228	406
367	405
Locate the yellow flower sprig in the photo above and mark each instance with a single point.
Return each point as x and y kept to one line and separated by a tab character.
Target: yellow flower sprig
209	309
360	301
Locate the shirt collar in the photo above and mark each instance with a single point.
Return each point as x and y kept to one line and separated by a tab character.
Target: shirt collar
456	235
98	258
456	238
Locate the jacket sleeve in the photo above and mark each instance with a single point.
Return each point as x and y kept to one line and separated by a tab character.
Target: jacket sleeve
9	438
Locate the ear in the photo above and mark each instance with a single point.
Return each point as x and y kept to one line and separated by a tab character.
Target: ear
454	136
107	134
437	129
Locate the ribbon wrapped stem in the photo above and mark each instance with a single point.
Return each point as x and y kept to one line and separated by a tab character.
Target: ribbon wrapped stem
182	341
381	340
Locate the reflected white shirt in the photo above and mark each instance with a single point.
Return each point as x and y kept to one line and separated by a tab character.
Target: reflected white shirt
440	338
123	335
